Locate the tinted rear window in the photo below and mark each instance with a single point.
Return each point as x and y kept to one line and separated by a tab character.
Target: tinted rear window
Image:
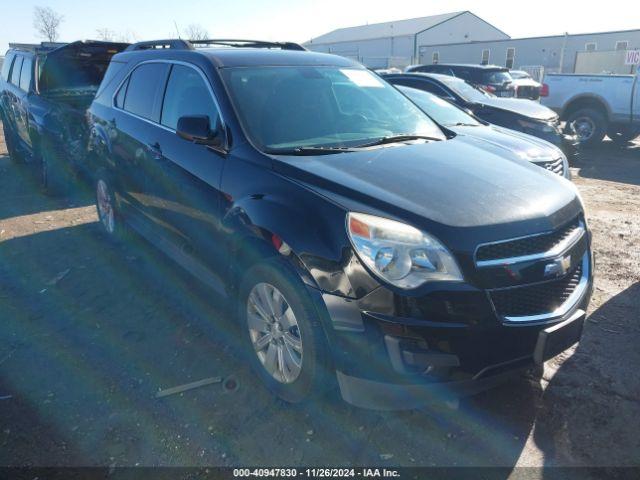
496	77
145	89
6	66
27	73
15	71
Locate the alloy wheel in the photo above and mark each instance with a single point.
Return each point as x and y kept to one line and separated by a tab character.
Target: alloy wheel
105	206
274	333
584	128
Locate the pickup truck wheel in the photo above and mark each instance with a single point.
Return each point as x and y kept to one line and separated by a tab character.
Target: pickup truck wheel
623	135
589	124
284	339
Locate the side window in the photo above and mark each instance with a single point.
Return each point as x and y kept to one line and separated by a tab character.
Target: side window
15	71
433	88
26	75
6	66
187	94
121	94
144	91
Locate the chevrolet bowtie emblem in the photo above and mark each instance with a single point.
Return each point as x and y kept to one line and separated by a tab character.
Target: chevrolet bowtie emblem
558	267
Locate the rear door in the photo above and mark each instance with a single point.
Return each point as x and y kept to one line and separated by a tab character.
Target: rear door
11	93
137	106
22	100
186	177
635	108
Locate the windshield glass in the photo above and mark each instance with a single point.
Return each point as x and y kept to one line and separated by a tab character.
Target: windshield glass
284	108
439	109
496	77
518	75
465	90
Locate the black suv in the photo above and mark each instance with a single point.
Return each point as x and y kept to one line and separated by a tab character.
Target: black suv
492	78
360	240
45	90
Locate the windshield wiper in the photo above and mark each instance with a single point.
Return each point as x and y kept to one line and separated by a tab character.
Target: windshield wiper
397	139
462	124
310	150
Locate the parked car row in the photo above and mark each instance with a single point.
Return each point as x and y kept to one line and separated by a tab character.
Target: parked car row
520	115
377	237
591	106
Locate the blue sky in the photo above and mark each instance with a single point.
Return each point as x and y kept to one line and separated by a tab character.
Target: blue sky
300	20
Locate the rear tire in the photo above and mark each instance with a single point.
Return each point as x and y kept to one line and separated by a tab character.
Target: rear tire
623	135
9	139
590	126
284	338
109	217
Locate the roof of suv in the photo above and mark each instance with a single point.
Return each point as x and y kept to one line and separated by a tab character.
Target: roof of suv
468	65
245	57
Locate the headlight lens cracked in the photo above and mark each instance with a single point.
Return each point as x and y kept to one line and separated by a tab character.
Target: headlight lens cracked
399	253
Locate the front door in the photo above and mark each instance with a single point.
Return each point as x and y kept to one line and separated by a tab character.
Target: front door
186	178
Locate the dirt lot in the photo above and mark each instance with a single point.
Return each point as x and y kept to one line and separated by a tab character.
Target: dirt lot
89	332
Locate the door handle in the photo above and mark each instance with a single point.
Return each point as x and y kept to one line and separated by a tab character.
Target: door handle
155	150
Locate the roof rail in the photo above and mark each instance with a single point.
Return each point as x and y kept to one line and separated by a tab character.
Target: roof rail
175	44
37	47
179	44
229	42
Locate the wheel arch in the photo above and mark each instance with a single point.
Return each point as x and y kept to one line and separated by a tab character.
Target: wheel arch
586	101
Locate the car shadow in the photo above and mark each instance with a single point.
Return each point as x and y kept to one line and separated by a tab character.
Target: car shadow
93	330
23	194
612	163
592	400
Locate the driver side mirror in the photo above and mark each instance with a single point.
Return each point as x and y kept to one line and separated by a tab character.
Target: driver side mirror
197	129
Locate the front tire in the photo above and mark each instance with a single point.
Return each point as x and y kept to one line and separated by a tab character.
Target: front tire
590	125
284	337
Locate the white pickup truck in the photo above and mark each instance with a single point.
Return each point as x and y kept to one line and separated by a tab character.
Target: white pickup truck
596	105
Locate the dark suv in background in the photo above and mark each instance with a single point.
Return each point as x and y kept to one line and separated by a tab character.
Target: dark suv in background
359	240
492	78
45	90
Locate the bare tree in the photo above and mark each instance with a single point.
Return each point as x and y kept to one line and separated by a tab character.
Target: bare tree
46	21
196	31
105	34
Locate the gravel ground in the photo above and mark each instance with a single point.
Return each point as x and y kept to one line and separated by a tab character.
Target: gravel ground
91	331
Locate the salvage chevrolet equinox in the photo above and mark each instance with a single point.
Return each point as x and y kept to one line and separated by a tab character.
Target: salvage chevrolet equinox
362	242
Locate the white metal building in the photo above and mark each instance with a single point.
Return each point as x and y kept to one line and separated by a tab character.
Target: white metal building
580	53
396	44
463	37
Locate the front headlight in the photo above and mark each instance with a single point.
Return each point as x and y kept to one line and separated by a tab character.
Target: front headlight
400	254
537	126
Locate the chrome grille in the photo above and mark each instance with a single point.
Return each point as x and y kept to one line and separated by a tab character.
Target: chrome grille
537	244
536	299
555	166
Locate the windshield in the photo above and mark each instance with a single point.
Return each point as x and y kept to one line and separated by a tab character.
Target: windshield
517	75
285	108
496	77
465	90
439	109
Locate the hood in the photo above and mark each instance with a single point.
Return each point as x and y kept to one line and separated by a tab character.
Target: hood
503	141
526	108
452	183
525	82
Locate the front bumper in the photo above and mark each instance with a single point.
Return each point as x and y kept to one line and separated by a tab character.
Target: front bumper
405	357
